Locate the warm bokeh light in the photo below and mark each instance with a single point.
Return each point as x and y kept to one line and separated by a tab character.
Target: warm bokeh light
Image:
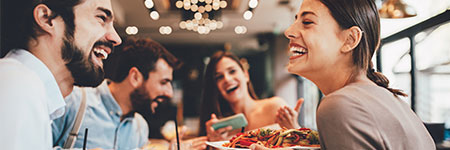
248	15
198	16
131	30
149	4
253	3
154	15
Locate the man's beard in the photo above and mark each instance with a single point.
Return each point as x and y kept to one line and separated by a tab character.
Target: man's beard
84	72
141	102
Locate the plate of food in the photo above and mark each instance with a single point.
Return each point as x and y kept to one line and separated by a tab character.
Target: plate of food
303	138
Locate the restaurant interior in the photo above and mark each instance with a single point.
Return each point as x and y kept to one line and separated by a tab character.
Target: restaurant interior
414	53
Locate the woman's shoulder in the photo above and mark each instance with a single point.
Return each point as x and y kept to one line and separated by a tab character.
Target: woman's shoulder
272	100
271	103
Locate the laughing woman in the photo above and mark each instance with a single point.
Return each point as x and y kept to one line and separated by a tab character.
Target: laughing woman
332	43
228	91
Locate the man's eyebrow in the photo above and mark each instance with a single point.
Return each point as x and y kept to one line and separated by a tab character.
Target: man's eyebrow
106	11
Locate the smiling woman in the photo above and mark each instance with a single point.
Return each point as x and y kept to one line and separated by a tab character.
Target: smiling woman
228	91
332	43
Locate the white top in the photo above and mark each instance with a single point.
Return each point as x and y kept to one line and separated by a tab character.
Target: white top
30	100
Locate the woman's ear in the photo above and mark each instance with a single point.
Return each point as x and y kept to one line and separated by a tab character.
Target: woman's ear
135	77
44	18
353	37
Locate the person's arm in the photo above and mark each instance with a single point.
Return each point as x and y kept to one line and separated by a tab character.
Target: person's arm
344	123
198	143
288	117
24	119
216	135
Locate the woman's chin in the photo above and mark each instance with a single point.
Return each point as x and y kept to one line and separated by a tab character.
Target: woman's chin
293	69
296	71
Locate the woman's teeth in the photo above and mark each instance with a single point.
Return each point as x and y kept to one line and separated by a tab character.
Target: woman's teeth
298	51
101	53
231	88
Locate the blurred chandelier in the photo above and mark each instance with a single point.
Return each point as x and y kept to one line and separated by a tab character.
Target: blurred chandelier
396	9
199	15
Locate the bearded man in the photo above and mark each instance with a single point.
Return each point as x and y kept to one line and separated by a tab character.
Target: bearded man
50	46
141	79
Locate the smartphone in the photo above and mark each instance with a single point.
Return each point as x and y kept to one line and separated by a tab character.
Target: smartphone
236	122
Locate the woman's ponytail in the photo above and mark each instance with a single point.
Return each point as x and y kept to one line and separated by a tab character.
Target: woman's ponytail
379	79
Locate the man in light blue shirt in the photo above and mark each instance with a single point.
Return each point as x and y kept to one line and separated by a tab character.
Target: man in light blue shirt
141	79
56	44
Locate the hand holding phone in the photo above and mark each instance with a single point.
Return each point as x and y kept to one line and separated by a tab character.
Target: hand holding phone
236	121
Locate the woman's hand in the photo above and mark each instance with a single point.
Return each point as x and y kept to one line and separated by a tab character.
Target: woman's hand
216	135
287	117
197	143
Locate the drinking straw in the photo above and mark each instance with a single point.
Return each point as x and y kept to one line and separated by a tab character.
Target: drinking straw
85	138
176	132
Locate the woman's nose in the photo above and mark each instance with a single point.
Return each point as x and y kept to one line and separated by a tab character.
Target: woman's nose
290	32
227	77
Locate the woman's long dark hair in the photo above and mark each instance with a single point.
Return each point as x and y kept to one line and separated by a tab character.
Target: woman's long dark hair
363	14
212	100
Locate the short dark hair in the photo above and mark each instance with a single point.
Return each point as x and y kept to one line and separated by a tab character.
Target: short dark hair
142	54
19	26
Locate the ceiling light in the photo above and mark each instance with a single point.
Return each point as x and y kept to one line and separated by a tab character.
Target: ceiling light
179	4
208	8
154	15
248	15
131	30
215	6
198	16
223	4
183	25
200	13
201	9
396	9
219	24
149	4
240	29
194	8
165	30
213	25
253	3
201	30
187	7
169	30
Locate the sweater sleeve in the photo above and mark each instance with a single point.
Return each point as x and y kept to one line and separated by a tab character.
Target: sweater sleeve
344	123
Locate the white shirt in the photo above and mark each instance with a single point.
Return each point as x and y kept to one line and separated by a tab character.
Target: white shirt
29	100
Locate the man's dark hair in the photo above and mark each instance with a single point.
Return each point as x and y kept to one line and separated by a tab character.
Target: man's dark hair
18	24
142	54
